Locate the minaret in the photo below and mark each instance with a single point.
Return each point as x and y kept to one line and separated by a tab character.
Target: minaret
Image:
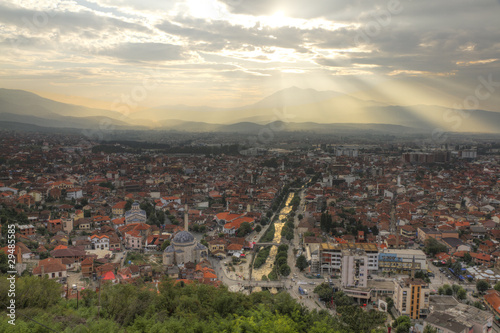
186	223
399	181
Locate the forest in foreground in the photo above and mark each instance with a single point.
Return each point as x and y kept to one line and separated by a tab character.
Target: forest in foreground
173	307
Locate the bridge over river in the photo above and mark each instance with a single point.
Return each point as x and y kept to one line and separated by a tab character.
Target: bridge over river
263	284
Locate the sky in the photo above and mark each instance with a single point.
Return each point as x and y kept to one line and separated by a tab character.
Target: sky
228	53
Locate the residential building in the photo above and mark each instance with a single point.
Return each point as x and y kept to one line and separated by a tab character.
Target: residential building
402	261
354	268
411	297
76	193
330	256
119	208
100	242
54	225
53	268
67	225
26	230
476	320
445	323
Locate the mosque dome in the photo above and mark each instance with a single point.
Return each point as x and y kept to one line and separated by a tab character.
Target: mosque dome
183	237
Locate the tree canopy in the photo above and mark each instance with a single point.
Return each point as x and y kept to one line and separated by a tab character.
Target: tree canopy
175	307
434	247
482	286
244	229
301	263
402	324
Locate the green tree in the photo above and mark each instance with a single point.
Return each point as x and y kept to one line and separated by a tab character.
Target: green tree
177	307
4	262
354	319
433	247
244	229
402	324
467	258
32	292
445	290
301	263
165	244
284	270
128	205
422	275
482	286
497	286
478	305
430	329
324	291
390	303
461	294
326	222
107	184
161	216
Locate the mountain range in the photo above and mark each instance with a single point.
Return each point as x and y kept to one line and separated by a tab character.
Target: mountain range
291	109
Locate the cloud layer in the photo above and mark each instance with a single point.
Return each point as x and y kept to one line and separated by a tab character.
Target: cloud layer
244	48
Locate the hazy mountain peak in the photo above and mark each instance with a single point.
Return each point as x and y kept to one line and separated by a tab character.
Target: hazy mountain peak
294	96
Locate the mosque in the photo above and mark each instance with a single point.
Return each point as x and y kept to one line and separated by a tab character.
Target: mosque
184	248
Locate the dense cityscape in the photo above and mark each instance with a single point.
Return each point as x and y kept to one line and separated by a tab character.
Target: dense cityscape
355	237
250	166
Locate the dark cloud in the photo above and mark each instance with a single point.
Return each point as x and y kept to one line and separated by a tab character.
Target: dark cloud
66	22
220	35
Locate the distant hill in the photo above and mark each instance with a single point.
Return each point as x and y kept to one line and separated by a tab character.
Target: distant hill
24	102
54	120
297	110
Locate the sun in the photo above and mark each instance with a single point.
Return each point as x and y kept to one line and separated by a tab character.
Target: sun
279	14
278	19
